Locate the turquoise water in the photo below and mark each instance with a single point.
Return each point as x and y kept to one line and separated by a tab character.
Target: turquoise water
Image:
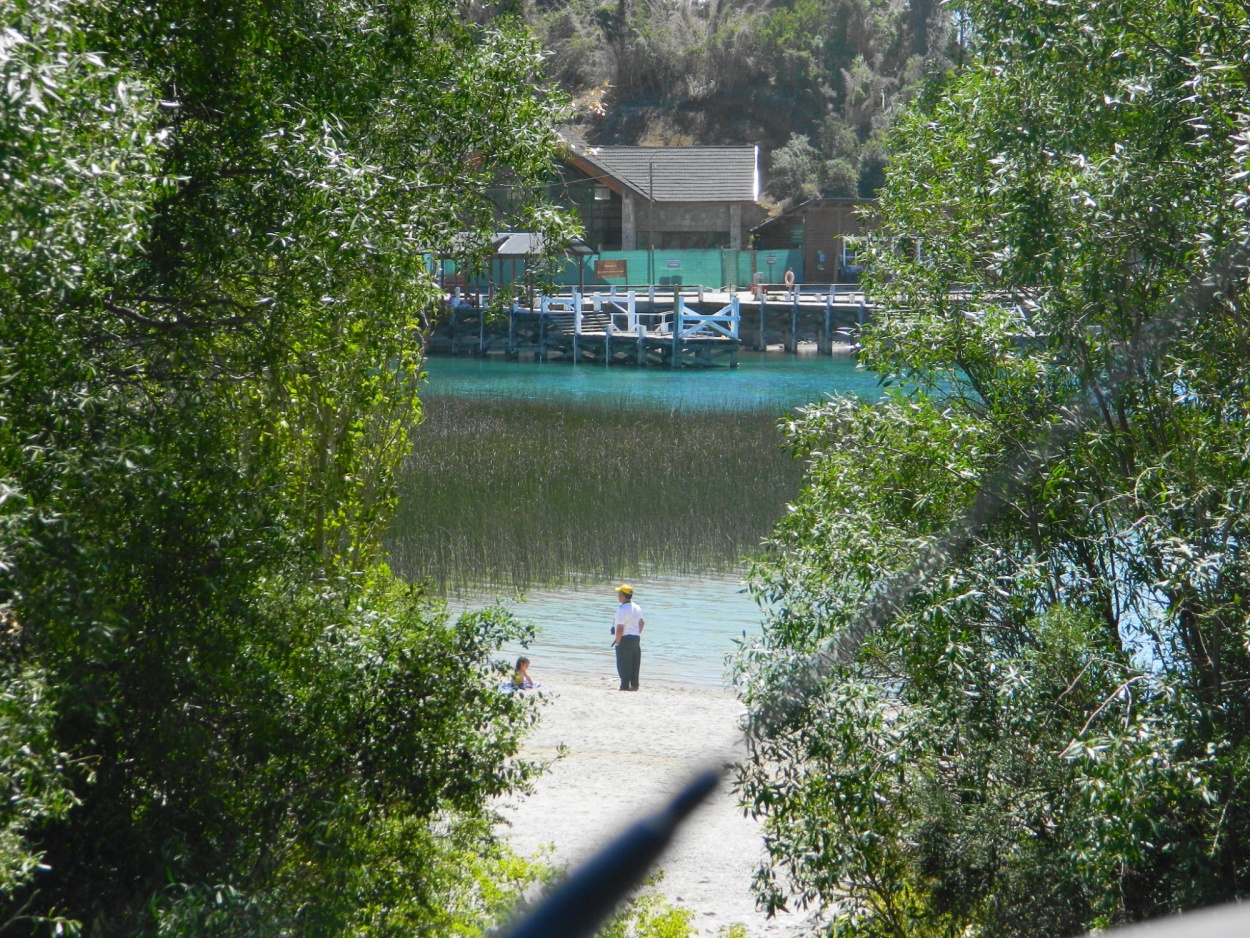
692	622
691	625
761	380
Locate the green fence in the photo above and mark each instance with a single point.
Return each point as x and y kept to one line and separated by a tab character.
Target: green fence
711	268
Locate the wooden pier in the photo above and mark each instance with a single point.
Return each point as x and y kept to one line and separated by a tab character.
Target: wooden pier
628	328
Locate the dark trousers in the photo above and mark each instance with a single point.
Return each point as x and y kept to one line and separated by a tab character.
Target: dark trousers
628	660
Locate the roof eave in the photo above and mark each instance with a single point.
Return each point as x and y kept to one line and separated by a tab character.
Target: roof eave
601	173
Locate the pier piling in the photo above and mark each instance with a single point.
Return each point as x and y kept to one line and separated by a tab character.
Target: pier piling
618	328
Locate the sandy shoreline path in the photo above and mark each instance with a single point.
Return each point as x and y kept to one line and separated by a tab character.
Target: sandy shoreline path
626	753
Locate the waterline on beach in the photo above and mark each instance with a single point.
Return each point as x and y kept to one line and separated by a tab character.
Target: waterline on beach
691	625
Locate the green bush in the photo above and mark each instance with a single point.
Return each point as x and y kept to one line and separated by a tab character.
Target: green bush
1048	733
648	915
222	714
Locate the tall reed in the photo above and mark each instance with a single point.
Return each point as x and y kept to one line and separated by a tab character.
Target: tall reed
519	494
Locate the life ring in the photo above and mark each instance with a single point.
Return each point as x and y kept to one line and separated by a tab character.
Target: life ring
789	279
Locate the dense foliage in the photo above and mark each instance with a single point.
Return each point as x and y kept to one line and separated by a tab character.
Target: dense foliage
219	714
816	83
1053	733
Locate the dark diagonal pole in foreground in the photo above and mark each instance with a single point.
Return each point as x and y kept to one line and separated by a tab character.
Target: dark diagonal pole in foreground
578	906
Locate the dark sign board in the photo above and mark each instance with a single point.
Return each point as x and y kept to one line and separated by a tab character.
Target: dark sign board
611	270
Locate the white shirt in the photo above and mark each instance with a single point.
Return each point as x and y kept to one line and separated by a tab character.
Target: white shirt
630	615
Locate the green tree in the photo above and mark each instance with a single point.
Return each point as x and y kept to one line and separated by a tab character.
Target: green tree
732	72
648	915
796	172
1051	733
219	707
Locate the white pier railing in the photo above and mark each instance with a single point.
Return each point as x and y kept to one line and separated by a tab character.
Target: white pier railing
724	322
622	311
618	318
683	324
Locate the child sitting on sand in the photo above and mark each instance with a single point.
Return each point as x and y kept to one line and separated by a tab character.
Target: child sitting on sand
521	680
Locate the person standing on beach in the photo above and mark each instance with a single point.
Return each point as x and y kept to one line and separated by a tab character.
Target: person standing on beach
628	642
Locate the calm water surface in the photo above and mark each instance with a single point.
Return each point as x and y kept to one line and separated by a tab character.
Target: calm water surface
692	622
770	380
691	626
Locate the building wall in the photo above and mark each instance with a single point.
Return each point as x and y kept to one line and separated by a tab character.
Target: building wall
825	234
715	224
819	231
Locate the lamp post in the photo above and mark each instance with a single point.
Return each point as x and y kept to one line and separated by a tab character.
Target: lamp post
651	224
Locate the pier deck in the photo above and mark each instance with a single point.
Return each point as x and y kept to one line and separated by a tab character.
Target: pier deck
615	328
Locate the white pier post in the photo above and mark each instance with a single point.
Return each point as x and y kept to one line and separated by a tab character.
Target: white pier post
607	343
828	349
642	345
792	345
542	333
577	324
735	310
677	326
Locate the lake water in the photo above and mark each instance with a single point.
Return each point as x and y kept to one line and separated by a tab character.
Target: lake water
770	380
692	622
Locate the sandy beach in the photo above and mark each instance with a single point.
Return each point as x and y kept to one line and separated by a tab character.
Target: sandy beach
626	753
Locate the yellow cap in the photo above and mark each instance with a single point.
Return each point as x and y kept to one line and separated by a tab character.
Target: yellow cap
626	589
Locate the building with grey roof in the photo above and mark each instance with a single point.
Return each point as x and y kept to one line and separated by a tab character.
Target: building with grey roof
671	198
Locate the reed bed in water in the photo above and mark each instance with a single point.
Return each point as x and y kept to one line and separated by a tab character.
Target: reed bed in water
520	494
